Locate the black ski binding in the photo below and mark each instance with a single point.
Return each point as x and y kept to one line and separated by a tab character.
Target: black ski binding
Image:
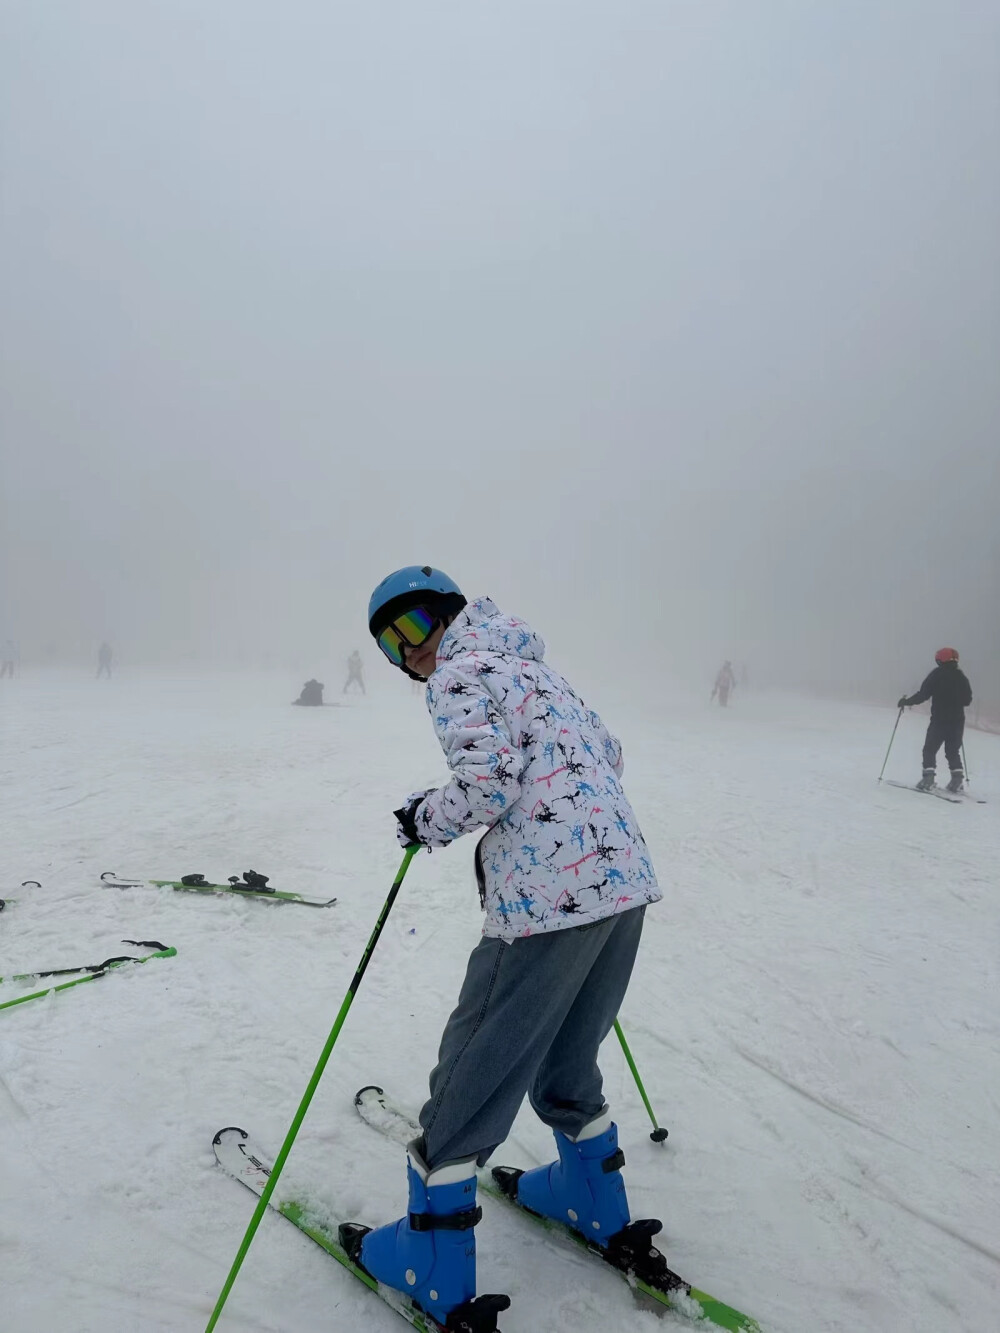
632	1251
251	880
351	1235
195	881
506	1178
476	1316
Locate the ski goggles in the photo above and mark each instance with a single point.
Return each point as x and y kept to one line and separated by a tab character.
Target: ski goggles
409	630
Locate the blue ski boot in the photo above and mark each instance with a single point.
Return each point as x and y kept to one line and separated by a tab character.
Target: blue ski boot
584	1190
430	1254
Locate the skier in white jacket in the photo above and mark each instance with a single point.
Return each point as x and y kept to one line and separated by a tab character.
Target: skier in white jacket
564	877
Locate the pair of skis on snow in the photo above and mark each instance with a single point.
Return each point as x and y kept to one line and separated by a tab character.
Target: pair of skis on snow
246	1162
943	795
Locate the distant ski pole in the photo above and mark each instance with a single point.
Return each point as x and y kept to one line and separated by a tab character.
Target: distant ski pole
965	763
658	1134
891	739
307	1097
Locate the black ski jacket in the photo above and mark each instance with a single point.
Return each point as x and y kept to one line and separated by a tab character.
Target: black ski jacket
948	689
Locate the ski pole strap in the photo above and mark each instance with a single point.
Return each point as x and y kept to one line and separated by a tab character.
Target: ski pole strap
87	967
447	1221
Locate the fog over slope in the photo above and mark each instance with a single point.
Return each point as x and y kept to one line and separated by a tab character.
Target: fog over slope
674	327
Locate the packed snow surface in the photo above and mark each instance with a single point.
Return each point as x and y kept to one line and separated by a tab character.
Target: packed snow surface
814	1011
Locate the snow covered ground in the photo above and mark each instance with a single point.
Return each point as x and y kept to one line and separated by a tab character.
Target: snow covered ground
814	1011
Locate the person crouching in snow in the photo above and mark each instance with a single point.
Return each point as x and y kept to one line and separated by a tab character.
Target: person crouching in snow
564	877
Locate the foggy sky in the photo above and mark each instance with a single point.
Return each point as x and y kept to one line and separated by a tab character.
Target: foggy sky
673	326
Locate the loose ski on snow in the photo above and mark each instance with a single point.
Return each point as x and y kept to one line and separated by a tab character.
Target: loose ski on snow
93	972
240	1158
252	885
376	1110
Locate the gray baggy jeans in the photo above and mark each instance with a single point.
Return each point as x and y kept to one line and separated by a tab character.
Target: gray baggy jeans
531	1016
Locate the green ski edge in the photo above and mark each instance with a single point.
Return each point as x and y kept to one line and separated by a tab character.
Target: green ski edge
253	1171
696	1305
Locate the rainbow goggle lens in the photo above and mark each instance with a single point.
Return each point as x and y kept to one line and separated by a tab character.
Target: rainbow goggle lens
409	630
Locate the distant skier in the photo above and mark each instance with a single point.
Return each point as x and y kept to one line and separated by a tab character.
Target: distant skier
8	662
104	660
724	682
354	672
950	694
312	694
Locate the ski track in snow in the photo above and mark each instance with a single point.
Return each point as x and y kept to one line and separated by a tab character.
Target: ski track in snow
813	1012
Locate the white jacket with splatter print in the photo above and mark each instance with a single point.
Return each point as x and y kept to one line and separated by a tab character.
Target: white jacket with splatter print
541	771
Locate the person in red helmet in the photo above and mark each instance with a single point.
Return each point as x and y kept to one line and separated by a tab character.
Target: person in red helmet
950	694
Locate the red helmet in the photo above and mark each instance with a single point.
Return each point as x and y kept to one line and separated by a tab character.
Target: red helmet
946	655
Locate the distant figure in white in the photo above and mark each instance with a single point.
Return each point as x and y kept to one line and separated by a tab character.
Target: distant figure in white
9	660
354	672
724	682
104	659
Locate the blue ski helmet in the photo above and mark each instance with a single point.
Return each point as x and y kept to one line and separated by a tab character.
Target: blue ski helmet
416	585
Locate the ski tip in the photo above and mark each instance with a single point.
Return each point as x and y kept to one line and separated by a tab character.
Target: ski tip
30	884
108	874
360	1097
230	1129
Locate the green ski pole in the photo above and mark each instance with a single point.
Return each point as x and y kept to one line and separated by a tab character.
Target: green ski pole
658	1134
307	1097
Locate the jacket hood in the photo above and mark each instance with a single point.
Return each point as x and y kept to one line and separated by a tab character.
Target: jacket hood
482	627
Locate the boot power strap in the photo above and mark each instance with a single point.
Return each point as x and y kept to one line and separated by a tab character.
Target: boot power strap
447	1221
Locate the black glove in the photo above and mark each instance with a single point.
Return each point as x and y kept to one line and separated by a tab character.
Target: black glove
903	702
406	825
